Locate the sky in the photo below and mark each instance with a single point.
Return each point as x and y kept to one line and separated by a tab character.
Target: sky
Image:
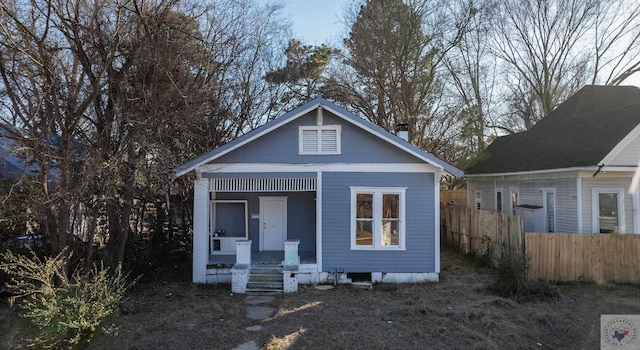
315	21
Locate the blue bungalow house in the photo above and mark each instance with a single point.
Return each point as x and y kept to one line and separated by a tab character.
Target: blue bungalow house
318	194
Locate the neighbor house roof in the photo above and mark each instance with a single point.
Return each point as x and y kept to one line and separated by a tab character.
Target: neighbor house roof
302	110
580	132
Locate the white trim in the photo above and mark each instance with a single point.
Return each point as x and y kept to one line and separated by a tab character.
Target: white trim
333	167
595	207
319	221
532	172
436	220
579	203
282	199
477	199
622	145
200	231
377	217
319	144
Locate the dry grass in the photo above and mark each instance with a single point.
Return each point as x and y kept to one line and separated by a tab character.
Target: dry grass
460	312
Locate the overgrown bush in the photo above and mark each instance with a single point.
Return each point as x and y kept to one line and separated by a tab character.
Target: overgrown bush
512	277
66	310
512	271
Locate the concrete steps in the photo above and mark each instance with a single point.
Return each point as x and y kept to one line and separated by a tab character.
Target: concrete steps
265	280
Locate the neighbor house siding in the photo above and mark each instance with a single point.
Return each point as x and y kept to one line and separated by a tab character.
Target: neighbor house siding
530	192
630	156
281	146
610	182
420	236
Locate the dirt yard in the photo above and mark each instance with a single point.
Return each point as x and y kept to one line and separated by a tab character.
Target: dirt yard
460	312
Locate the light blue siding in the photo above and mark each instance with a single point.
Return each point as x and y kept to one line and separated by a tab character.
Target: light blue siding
281	146
301	216
420	236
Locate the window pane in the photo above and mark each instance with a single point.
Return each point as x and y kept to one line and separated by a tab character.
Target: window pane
364	206
364	229
608	204
608	212
390	232
390	206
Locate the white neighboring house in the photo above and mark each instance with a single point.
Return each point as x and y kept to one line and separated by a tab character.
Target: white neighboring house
575	171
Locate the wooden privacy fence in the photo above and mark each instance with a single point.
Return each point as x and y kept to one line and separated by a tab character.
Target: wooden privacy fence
474	231
455	197
598	258
586	257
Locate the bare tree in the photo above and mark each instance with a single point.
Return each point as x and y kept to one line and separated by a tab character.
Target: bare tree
550	48
473	82
394	56
108	97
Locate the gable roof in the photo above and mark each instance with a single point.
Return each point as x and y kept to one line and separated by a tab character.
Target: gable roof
302	110
580	132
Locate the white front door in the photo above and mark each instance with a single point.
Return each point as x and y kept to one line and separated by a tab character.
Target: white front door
273	223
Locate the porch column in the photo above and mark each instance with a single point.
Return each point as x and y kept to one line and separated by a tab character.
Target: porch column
243	252
200	230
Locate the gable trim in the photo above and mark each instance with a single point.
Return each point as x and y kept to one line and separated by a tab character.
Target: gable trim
621	146
320	103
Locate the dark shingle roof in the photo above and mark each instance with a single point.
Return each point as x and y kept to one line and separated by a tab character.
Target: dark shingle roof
579	132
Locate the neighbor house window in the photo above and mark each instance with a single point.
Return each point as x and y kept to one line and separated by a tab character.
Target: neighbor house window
478	199
499	201
319	139
377	218
608	210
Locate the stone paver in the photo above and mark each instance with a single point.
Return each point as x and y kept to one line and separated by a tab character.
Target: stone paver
259	312
257	299
255	328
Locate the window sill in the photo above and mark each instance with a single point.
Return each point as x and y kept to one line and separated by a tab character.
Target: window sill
386	249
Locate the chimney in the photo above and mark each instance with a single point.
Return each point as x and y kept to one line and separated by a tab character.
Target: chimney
402	131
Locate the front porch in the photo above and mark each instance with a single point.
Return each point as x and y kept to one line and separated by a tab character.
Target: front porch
286	268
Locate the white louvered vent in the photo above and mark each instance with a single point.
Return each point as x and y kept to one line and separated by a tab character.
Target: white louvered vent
320	139
329	142
263	185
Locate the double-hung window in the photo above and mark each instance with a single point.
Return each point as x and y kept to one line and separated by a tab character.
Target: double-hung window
608	210
377	218
324	139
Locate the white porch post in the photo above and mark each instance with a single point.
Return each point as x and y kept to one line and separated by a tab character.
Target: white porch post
200	230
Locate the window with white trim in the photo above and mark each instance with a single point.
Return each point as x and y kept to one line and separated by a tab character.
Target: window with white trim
323	139
608	209
377	218
478	199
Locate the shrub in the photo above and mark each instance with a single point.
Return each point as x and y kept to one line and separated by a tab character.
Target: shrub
512	271
67	311
512	278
